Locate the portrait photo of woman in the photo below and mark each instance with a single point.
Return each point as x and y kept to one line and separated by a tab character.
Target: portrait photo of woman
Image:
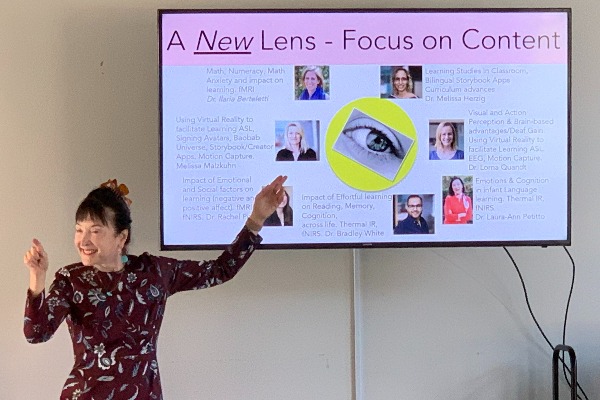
312	82
401	82
284	214
458	206
296	142
444	138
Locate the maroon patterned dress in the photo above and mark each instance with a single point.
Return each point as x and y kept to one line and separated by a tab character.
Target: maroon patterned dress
114	318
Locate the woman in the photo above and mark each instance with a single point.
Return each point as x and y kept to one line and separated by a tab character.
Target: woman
446	143
458	208
283	215
402	84
296	148
114	302
312	78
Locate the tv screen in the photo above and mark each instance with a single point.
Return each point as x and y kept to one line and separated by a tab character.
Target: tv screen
407	128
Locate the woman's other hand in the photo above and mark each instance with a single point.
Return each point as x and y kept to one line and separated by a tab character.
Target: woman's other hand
36	260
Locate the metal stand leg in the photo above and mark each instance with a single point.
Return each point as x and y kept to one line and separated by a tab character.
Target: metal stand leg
557	350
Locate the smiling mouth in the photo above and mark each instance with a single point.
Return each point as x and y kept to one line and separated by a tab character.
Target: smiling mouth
89	252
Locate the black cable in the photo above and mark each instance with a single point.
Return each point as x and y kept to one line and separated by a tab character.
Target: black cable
566	313
527	298
570	294
565	322
564	336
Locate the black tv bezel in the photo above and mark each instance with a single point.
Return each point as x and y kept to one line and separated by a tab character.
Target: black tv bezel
365	245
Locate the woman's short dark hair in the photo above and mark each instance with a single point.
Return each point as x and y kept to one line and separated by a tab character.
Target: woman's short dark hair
105	204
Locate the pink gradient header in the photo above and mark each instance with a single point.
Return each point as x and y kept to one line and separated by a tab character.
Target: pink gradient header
291	38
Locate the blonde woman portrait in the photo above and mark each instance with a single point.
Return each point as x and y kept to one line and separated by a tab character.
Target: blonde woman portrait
446	143
296	144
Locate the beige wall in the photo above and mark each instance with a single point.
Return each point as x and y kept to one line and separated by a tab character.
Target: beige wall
78	105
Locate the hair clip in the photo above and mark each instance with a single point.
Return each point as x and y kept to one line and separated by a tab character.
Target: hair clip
122	189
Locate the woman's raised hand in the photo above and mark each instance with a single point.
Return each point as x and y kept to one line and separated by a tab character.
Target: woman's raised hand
36	258
267	200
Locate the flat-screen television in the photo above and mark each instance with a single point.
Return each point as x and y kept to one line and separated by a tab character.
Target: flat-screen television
395	127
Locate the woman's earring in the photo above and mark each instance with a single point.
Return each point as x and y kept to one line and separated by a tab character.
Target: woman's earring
124	259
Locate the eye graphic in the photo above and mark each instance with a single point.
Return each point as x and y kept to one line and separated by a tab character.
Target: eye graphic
377	142
373	144
373	136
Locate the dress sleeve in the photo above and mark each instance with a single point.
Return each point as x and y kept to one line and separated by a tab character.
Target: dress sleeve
180	275
45	312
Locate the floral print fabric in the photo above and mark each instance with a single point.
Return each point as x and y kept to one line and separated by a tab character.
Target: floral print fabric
114	318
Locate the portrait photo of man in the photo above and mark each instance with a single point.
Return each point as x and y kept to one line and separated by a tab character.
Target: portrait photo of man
412	220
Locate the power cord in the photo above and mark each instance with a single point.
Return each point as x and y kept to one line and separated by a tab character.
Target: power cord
564	333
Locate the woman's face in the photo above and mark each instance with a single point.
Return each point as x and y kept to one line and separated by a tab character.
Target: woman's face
401	81
311	81
294	135
447	136
97	243
284	201
457	187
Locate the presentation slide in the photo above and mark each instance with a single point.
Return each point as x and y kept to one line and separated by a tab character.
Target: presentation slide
406	128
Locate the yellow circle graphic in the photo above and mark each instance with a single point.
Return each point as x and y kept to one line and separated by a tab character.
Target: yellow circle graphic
371	144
